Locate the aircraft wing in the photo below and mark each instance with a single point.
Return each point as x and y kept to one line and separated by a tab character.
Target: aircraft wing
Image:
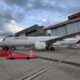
61	38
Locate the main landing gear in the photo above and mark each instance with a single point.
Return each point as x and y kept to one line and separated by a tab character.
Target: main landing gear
50	48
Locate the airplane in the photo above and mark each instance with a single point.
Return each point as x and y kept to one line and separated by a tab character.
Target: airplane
38	42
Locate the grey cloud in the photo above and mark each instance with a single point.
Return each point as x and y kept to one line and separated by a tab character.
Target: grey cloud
6	16
37	4
17	2
62	7
5	34
46	6
10	15
50	5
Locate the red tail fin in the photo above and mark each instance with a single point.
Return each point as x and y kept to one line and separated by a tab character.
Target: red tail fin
78	41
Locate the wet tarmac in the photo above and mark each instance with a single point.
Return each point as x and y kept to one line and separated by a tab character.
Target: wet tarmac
21	69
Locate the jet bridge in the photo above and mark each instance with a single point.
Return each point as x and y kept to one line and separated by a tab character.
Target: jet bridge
65	28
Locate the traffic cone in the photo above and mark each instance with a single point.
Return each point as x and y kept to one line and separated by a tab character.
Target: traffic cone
32	56
31	52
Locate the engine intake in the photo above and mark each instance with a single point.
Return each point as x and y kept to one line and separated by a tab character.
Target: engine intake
40	45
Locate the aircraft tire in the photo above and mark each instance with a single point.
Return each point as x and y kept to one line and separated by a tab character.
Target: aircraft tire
52	48
47	48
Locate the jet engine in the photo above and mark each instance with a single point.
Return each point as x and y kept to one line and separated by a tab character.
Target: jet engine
40	45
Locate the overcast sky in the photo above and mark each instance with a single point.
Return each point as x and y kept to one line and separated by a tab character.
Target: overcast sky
16	15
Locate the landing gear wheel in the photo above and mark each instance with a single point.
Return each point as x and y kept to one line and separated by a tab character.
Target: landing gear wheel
52	48
6	48
47	48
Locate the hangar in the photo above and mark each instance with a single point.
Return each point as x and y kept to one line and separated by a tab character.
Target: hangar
72	25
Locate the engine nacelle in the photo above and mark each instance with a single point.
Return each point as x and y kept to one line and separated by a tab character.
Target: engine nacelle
40	45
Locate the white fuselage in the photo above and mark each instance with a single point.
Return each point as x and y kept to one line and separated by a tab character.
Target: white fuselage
25	41
69	41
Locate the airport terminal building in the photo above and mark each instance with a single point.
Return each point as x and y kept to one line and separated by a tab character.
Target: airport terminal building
71	26
34	30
